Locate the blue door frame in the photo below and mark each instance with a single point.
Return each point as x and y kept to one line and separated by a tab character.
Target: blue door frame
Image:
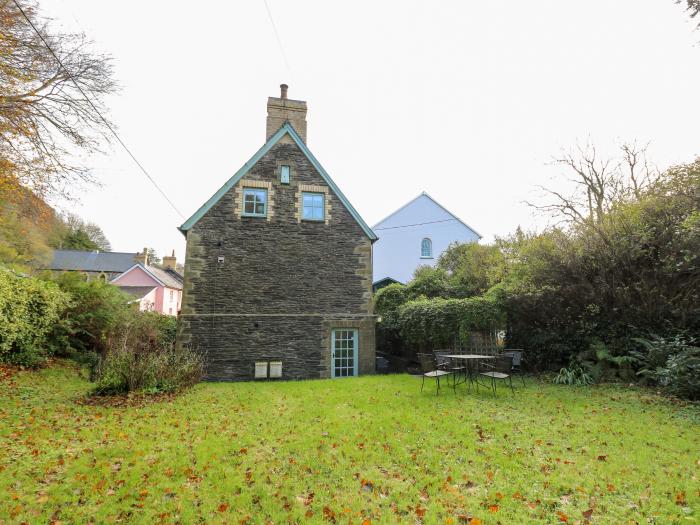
344	352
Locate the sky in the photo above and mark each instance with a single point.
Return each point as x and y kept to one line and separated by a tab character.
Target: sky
468	101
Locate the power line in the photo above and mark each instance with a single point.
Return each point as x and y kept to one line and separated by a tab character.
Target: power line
409	225
277	35
109	126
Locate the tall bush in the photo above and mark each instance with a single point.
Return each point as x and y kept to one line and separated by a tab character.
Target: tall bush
94	318
29	308
434	323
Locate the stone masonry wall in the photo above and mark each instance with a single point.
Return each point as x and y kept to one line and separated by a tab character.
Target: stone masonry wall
283	283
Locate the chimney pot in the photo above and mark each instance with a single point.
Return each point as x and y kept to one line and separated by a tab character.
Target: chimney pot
283	91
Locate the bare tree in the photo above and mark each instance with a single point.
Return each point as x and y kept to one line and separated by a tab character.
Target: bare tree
45	118
599	184
692	6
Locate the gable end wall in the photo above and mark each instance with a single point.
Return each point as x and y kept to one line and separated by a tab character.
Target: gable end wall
283	281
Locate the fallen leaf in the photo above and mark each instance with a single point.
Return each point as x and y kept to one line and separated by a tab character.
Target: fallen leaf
680	498
223	507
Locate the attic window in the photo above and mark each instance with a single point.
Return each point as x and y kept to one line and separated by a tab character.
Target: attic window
313	206
426	249
284	174
254	202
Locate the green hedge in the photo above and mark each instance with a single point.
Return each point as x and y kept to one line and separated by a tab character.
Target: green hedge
29	309
432	323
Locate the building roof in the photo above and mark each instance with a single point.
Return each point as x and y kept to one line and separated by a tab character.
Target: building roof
137	292
286	129
164	277
88	261
424	194
168	276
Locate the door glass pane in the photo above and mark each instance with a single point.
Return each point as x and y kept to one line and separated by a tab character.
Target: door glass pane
344	348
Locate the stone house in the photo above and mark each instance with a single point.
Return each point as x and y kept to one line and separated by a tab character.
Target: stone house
278	267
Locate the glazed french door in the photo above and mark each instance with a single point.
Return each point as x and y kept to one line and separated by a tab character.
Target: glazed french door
344	350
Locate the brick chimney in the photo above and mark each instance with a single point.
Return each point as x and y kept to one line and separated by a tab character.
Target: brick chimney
282	109
142	257
170	261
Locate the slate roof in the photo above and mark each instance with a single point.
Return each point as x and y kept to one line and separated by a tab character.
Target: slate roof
170	278
163	276
138	292
91	261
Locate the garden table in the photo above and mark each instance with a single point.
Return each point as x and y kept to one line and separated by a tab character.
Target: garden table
469	360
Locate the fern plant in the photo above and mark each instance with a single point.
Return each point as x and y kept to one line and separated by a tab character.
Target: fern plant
573	375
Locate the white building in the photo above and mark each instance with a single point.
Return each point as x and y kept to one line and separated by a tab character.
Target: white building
415	235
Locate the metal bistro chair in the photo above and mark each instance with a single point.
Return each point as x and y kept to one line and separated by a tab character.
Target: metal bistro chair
429	370
498	368
448	364
517	355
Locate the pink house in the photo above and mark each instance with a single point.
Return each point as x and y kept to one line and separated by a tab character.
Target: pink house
154	289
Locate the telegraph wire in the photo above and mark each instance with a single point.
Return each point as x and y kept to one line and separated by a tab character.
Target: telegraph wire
410	225
97	111
277	35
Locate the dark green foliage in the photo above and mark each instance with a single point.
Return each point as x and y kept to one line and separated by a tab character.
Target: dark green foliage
605	367
389	298
671	363
436	323
78	240
28	310
574	375
471	269
635	272
429	282
94	318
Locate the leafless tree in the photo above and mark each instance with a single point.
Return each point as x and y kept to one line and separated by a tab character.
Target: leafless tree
45	119
599	183
692	6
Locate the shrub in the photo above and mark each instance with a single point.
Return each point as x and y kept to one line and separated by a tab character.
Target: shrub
602	365
432	323
145	357
429	282
573	375
124	370
29	308
389	298
95	317
671	363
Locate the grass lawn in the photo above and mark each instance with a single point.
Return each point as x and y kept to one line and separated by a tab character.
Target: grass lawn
339	451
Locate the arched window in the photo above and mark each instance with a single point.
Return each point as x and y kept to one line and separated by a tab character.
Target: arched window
426	248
